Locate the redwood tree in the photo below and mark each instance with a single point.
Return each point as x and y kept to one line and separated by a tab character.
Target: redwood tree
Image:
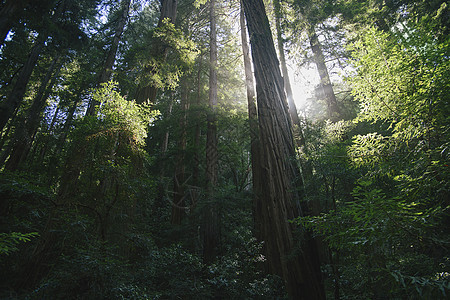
25	132
210	222
252	117
178	205
325	82
279	198
284	70
10	104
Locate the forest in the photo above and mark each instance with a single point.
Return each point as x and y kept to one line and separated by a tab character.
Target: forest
207	149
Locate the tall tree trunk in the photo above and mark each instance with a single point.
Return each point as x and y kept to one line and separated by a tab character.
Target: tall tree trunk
8	106
279	199
197	133
68	178
72	170
52	123
159	201
299	138
25	132
168	11
69	119
253	125
298	134
105	74
43	150
210	232
165	142
179	176
325	82
6	150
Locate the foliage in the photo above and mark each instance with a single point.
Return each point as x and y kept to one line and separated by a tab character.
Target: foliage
107	151
87	215
388	236
120	115
158	71
9	241
383	237
402	79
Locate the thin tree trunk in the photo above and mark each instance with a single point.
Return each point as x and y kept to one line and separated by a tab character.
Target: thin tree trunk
105	74
298	134
68	186
165	142
279	198
159	201
6	150
8	106
211	152
180	177
210	241
72	171
197	135
69	177
325	82
111	58
69	119
253	125
147	93
334	261
54	118
25	132
46	145
52	123
196	169
299	137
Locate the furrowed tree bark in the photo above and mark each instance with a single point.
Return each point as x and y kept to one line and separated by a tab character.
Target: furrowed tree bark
106	72
147	93
330	98
210	231
298	134
253	125
299	138
8	106
279	198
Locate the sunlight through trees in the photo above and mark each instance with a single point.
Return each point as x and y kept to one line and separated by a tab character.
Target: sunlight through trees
202	149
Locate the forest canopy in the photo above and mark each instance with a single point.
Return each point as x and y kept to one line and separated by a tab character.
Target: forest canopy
204	149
